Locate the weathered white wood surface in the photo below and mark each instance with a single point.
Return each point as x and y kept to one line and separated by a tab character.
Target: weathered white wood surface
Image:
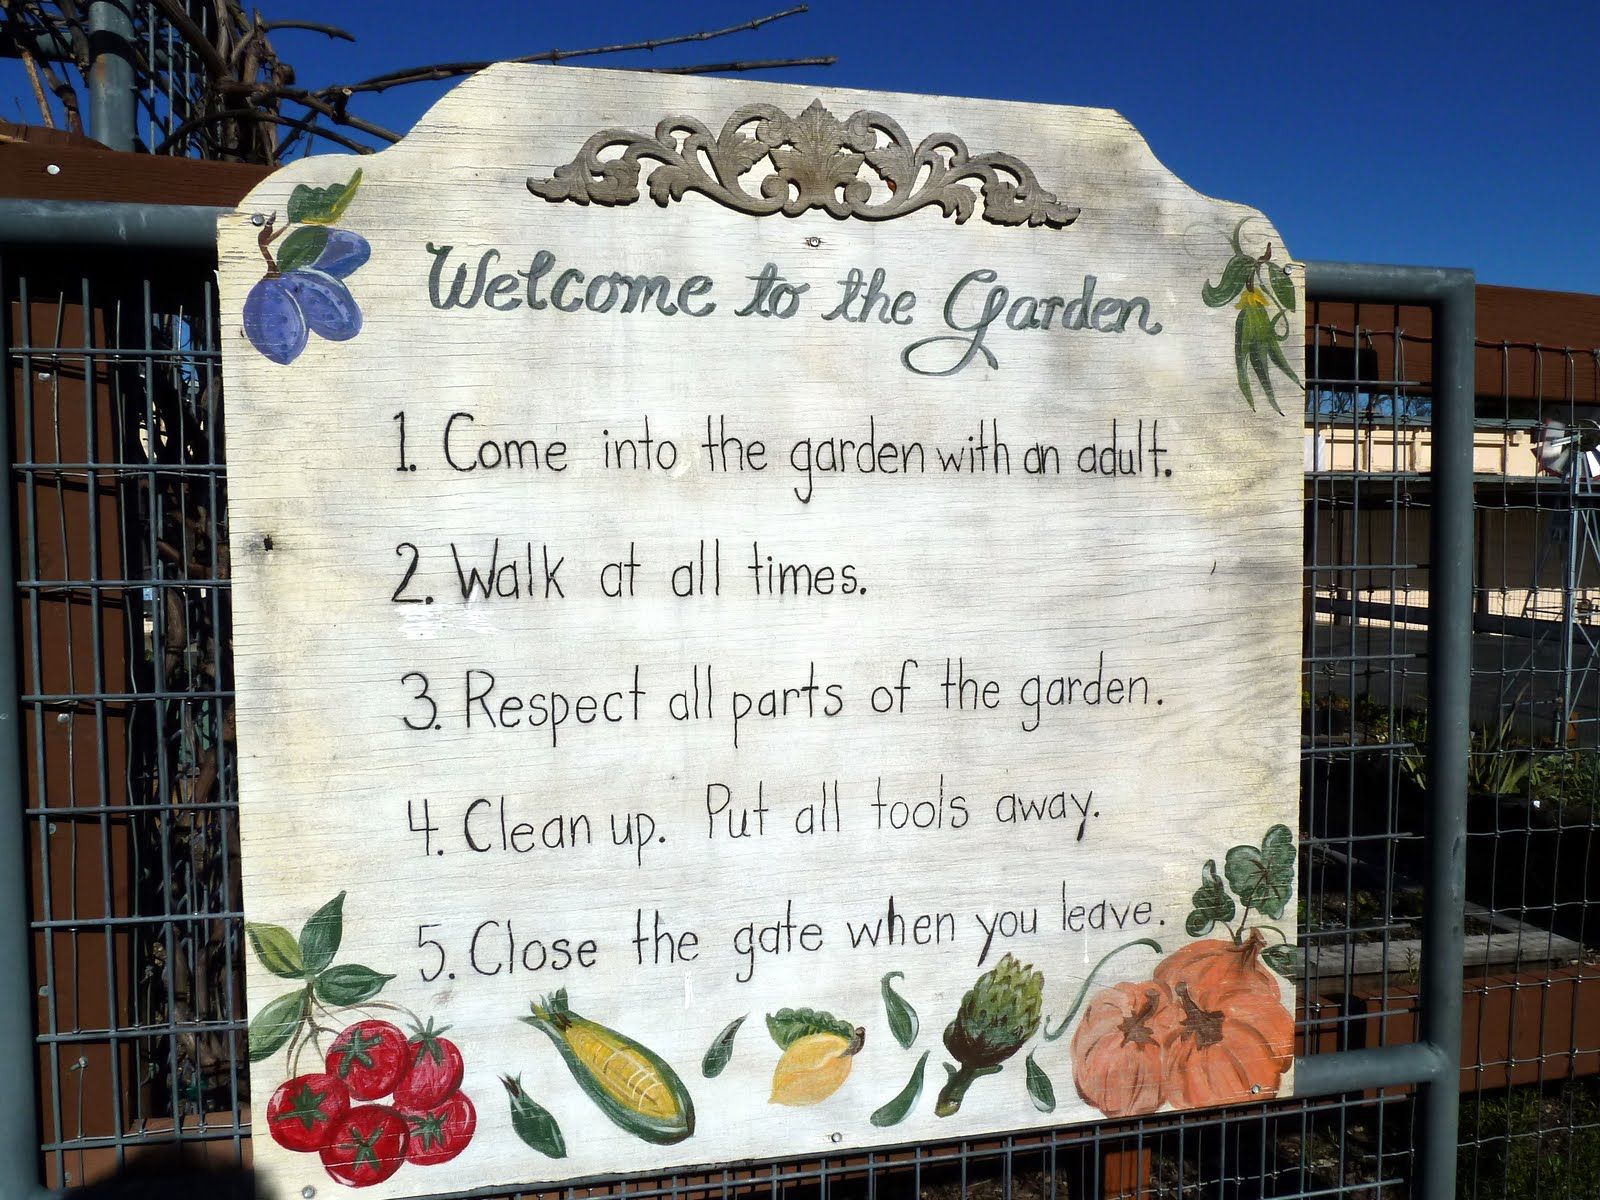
1188	582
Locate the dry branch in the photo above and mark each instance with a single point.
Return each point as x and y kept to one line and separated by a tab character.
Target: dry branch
438	71
236	109
756	64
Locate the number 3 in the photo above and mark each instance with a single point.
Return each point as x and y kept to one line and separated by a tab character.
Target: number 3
433	708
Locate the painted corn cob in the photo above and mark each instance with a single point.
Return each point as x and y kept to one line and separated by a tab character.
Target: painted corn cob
631	1084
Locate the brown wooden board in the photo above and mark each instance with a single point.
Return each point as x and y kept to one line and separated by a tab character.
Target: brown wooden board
31	171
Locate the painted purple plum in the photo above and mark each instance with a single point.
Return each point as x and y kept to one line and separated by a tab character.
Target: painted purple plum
303	291
273	321
329	309
343	254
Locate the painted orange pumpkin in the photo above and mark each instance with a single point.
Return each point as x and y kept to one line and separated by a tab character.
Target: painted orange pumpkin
1215	968
1229	1048
1116	1051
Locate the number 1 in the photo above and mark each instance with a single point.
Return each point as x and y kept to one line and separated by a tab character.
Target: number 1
404	465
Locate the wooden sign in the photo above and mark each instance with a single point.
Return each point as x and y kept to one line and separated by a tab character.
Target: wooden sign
766	623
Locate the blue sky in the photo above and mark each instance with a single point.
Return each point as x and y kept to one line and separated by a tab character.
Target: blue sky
1454	134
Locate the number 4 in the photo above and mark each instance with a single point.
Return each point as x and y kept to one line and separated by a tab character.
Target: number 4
426	829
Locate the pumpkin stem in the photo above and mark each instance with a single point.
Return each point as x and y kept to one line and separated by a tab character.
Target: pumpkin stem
1252	947
1202	1025
1136	1029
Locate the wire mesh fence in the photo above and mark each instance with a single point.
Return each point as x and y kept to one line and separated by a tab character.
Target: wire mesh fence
117	423
169	88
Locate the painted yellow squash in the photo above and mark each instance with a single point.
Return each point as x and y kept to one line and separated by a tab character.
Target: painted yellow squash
813	1068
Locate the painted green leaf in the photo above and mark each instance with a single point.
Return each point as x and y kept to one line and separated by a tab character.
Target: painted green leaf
721	1049
301	247
1260	363
1282	286
349	983
1275	349
275	1024
788	1025
1234	276
903	1021
533	1123
1263	878
1212	904
1257	343
319	940
1233	238
324	205
1040	1090
1285	960
905	1100
1241	356
276	949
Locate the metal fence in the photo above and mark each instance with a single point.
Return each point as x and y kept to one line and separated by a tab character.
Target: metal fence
131	992
147	82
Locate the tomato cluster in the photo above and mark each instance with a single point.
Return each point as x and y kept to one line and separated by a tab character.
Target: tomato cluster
428	1119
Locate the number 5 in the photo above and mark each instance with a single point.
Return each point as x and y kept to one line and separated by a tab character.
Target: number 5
421	942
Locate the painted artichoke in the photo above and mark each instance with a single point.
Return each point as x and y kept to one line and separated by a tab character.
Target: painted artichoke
997	1017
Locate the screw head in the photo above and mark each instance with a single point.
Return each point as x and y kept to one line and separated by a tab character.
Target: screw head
52	169
308	1192
258	219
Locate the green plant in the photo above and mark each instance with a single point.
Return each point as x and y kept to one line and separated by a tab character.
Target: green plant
1497	763
1566	784
1531	1142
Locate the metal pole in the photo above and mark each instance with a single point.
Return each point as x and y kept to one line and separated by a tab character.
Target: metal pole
80	223
19	1133
111	83
1452	295
1569	594
1451	545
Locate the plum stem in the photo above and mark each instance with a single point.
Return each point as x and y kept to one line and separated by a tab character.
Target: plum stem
265	239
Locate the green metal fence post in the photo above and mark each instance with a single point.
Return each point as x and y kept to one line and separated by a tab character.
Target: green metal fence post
112	89
19	1132
1452	296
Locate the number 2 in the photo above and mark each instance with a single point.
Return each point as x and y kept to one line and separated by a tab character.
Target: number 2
405	580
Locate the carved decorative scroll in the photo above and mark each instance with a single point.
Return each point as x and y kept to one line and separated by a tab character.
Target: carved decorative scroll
817	162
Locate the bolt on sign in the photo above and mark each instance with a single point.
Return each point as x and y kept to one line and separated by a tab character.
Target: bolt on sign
766	624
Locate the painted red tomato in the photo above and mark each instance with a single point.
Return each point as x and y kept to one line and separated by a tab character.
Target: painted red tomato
367	1147
434	1071
370	1057
305	1110
440	1135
